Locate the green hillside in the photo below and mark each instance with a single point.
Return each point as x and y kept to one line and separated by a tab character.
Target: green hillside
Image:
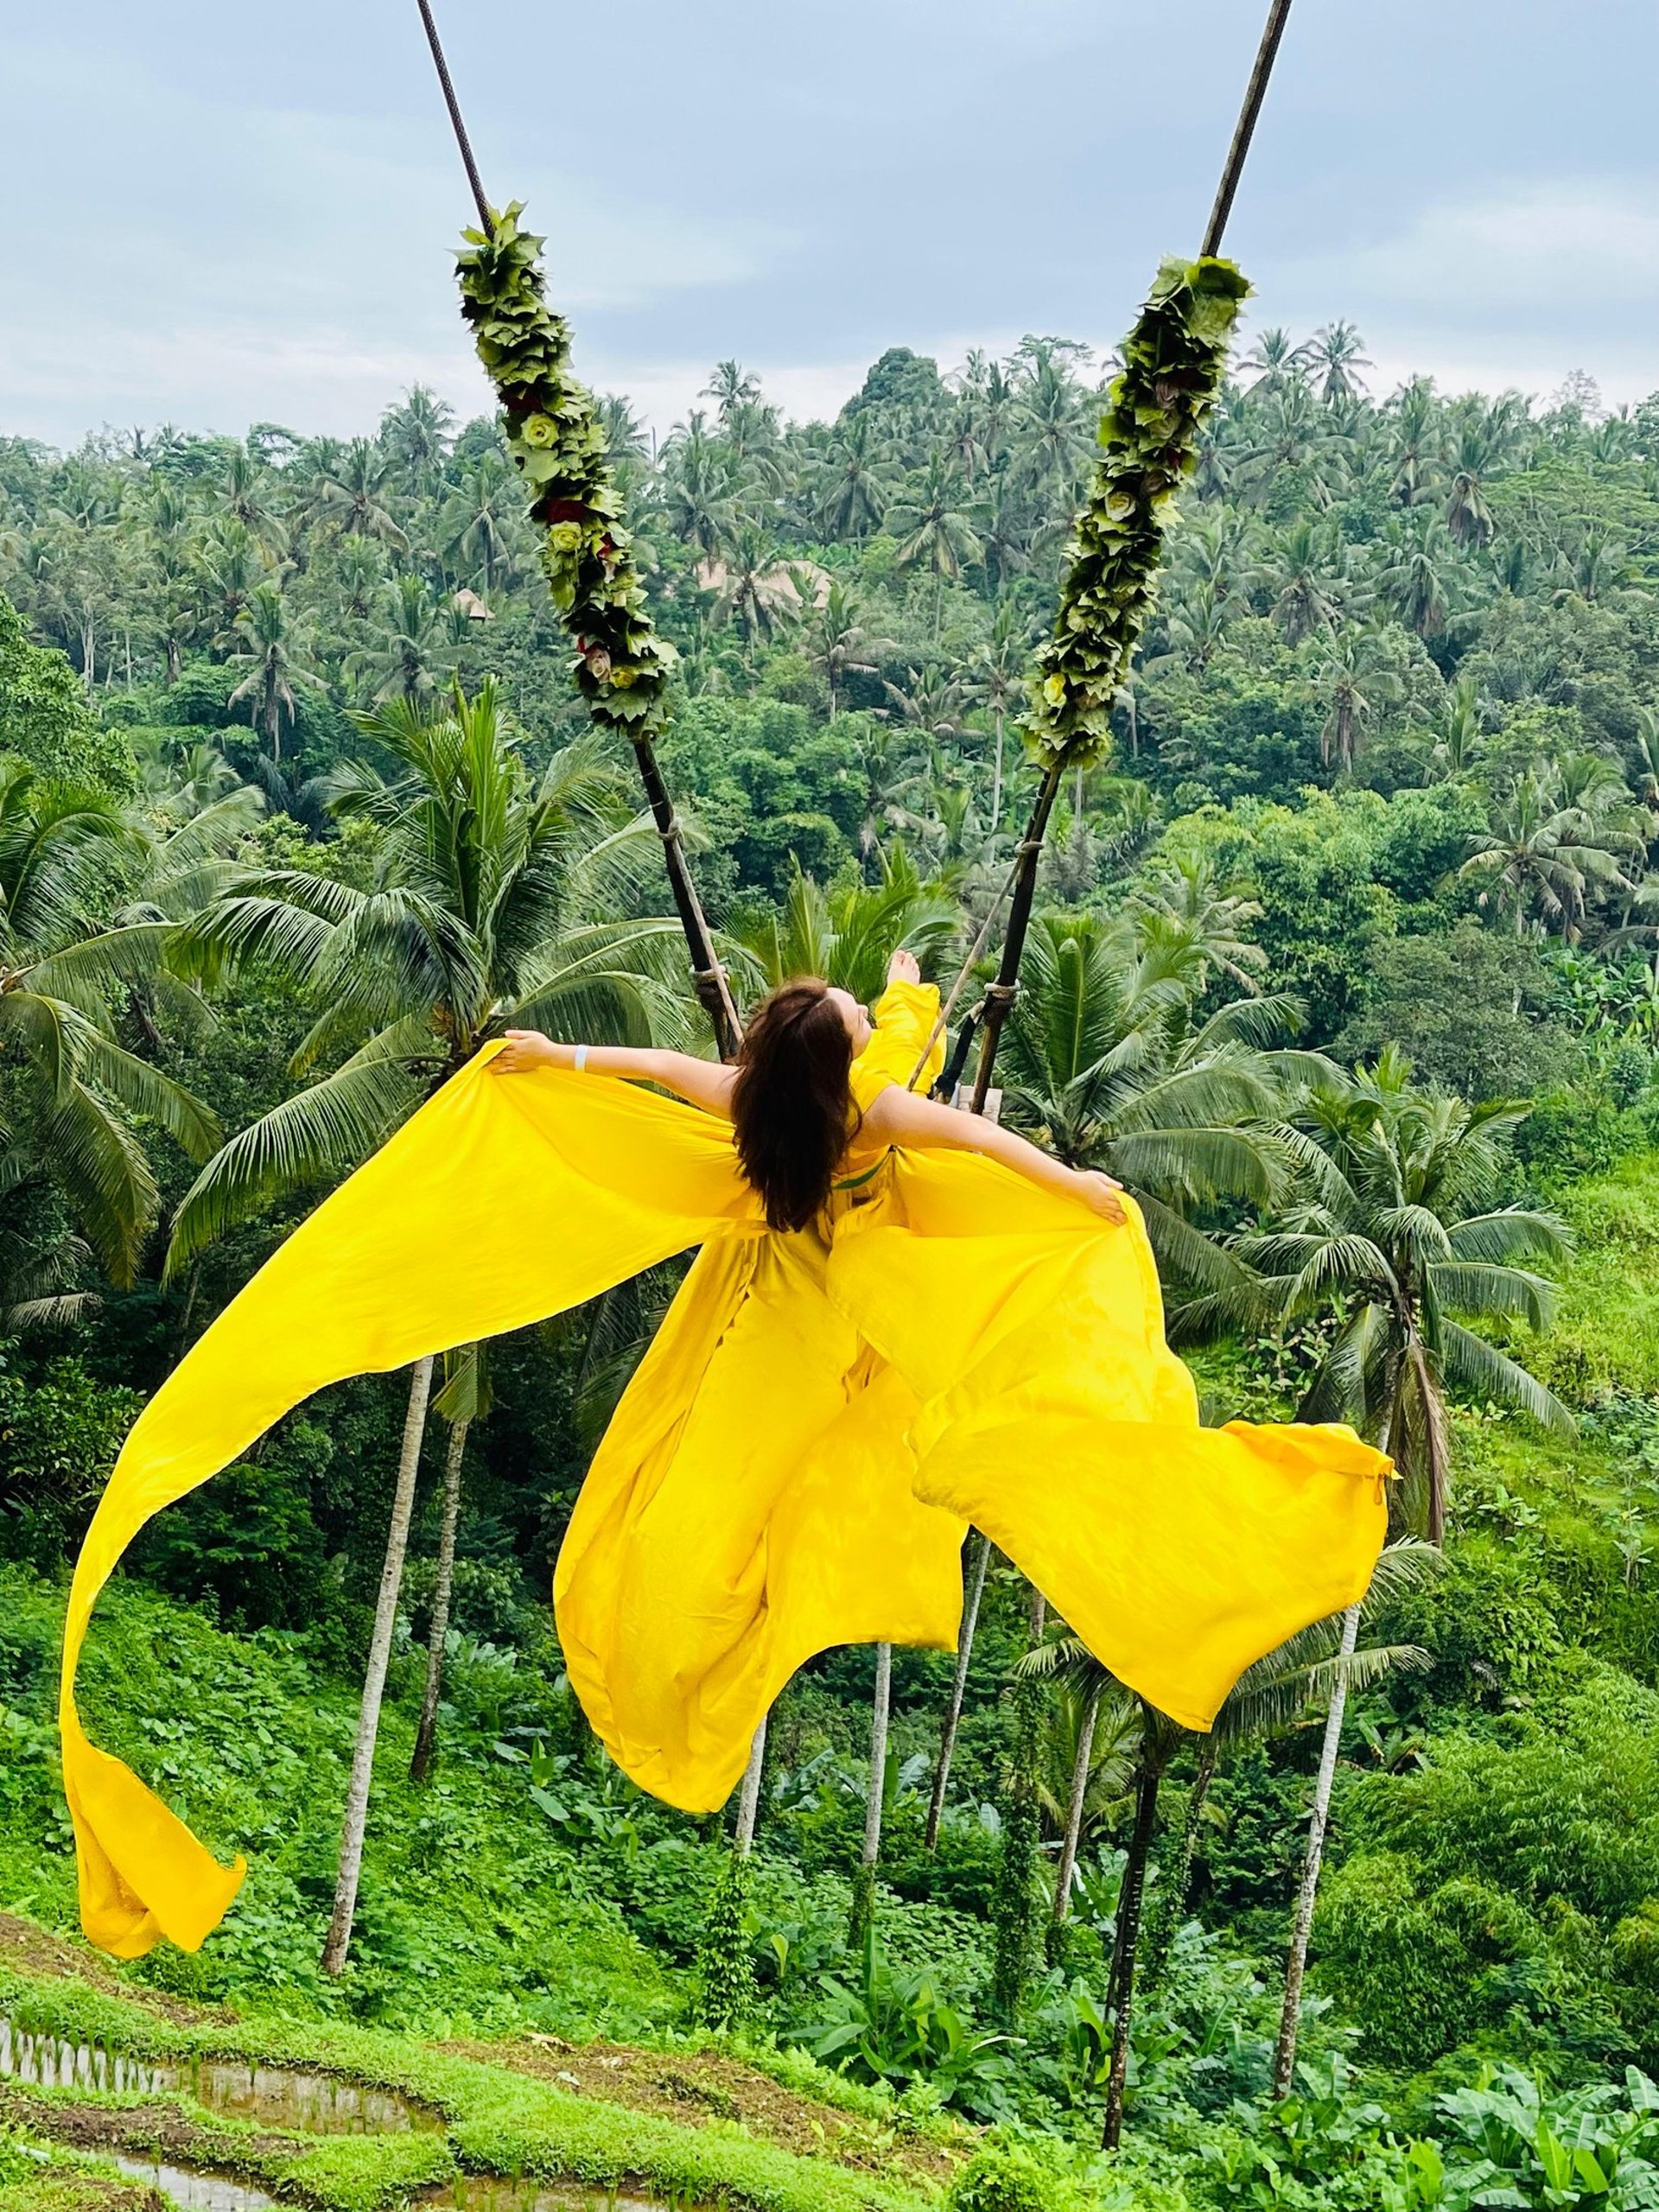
1344	961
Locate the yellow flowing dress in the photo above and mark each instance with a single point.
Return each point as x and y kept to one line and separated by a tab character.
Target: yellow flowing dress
793	1466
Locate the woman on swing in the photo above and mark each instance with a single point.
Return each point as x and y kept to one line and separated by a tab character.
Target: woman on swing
790	1101
900	1320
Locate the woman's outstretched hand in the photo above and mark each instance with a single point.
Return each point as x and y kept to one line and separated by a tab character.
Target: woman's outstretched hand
1100	1194
903	967
528	1048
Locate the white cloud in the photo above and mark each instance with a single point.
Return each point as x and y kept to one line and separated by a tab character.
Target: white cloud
1514	286
229	264
1538	254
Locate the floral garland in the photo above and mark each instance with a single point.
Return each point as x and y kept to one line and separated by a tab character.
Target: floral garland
1173	363
553	435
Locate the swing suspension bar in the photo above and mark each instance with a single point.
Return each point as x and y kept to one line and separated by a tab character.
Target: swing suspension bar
1019	888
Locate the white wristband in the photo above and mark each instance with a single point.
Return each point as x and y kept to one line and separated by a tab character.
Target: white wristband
580	1061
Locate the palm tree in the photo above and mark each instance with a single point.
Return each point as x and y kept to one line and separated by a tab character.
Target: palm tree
731	387
414	656
232	564
1288	430
1006	522
837	643
1403	1229
991	392
1275	359
1052	432
627	441
853	491
1417	442
848	935
935	528
1420	576
699	492
417	435
1472	460
755	590
929	703
1595	567
863	1912
1351	678
1281	1691
175	613
1273	1695
1304	576
1108	1058
753	436
1541	852
71	1083
463	1399
885	764
996	682
273	641
1401	1235
242	494
1458	739
350	493
1196	617
1185	910
1336	355
492	906
478	517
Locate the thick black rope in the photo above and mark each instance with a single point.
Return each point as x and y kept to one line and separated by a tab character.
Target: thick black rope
713	989
999	997
484	214
1255	93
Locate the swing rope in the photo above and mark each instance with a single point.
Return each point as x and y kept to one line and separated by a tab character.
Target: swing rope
714	986
458	122
993	1009
1019	887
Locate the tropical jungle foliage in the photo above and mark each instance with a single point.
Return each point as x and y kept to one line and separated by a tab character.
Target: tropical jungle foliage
1346	960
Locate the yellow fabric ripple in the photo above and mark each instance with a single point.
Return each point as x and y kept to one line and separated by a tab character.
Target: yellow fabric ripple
796	1456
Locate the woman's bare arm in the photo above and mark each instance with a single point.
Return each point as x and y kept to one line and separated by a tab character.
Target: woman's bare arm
704	1082
899	1117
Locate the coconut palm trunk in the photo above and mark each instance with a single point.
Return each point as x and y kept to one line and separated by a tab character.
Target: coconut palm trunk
426	1734
1168	1917
749	1802
864	1891
1080	1772
958	1690
339	1941
1284	2063
1154	1757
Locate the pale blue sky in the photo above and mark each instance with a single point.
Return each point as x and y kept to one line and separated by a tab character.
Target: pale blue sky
216	213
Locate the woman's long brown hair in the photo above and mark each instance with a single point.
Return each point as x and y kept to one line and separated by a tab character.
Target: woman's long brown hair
792	1101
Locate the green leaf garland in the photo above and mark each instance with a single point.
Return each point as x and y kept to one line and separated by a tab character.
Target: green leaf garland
1173	363
554	437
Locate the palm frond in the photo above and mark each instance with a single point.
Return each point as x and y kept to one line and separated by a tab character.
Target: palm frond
1476	1366
1511	1233
145	1089
1494	1292
92	964
319	1135
101	1168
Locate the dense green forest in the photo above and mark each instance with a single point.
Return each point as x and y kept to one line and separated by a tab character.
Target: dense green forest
1344	963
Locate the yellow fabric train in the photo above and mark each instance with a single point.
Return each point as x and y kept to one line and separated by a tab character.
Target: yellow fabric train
797	1457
